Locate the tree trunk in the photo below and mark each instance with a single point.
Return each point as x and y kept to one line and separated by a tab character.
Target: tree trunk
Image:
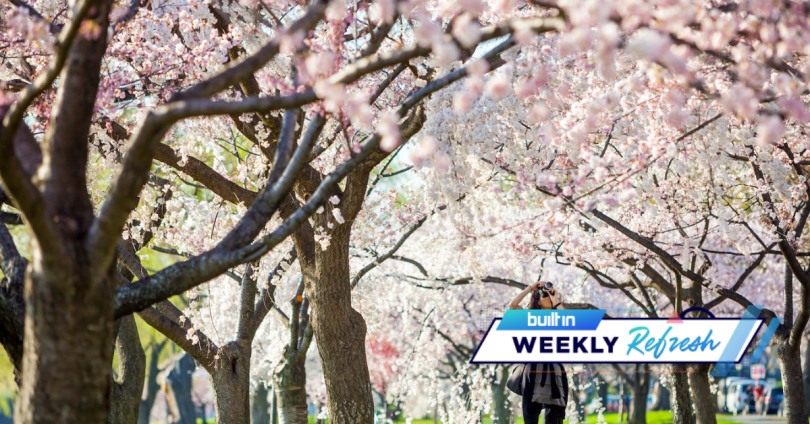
603	390
273	407
177	385
127	389
792	381
641	388
231	384
500	398
291	396
682	412
579	407
68	333
702	394
339	328
662	403
260	407
152	386
67	372
806	375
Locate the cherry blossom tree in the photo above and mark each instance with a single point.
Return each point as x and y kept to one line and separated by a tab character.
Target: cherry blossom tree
78	62
607	114
648	169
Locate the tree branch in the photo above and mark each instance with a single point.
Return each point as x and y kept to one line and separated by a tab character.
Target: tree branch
206	176
266	300
204	351
394	249
247	306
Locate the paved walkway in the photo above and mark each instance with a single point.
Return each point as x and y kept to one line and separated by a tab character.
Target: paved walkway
757	419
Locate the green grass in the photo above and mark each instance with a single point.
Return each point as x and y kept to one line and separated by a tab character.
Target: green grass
653	417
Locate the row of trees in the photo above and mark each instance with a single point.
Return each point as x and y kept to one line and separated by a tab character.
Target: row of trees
650	145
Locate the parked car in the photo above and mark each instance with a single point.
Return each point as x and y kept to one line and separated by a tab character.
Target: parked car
774	397
739	397
612	405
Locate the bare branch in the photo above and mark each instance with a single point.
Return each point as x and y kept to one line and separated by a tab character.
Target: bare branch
266	300
741	279
205	175
285	172
394	249
204	351
412	262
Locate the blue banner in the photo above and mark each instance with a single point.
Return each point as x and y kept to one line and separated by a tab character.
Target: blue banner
545	319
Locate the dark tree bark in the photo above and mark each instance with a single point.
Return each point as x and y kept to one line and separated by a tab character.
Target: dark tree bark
273	407
291	396
177	385
501	413
639	385
69	315
641	388
152	386
792	380
806	374
128	387
702	394
259	406
662	403
289	378
679	396
339	328
231	383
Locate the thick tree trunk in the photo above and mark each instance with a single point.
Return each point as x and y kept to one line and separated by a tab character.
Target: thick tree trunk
702	394
231	384
682	412
792	381
67	372
259	406
68	333
641	388
127	389
339	329
152	386
291	395
177	384
500	398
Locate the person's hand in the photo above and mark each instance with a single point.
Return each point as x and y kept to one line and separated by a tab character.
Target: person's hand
536	286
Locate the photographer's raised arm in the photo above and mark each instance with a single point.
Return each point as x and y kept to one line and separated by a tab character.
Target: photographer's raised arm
515	303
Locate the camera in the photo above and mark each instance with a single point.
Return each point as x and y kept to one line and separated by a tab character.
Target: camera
543	290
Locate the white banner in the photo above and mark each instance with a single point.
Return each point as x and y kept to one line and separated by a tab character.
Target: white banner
622	340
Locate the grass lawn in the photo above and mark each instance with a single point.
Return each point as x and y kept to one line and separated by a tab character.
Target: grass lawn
653	417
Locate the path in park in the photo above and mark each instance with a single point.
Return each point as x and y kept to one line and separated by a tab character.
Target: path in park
756	419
